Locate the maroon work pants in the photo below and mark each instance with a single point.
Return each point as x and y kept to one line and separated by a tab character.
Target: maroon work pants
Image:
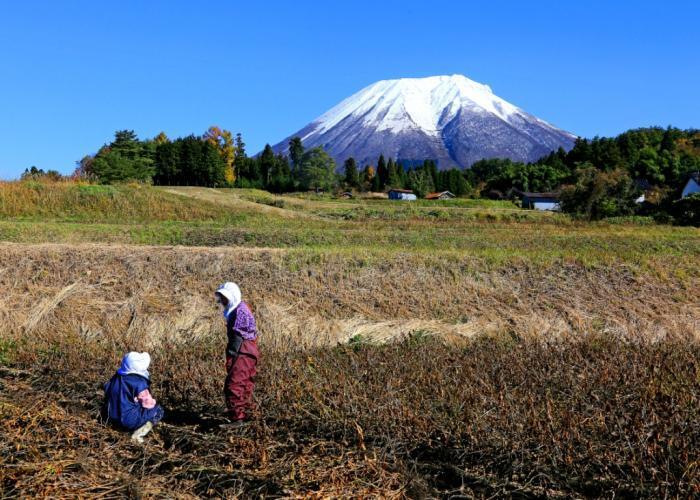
240	380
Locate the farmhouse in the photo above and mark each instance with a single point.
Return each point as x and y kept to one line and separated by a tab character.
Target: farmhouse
402	194
692	186
541	201
442	195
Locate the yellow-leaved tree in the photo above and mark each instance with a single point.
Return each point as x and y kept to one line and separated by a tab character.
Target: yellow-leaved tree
223	141
161	139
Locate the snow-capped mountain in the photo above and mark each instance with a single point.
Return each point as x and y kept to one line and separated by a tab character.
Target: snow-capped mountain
451	119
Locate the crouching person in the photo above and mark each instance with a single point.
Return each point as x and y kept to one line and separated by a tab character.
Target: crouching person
128	400
241	353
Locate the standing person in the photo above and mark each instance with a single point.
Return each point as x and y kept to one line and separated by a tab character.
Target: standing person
241	353
128	401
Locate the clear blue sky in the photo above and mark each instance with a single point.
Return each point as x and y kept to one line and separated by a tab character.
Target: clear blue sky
73	72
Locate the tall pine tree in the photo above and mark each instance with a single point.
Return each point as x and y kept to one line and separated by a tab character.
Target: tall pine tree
296	153
352	177
267	164
393	177
382	173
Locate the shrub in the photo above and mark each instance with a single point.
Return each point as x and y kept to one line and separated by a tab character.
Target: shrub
686	211
597	194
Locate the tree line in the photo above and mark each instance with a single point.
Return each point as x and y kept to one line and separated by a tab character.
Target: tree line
597	178
392	174
214	159
603	177
218	159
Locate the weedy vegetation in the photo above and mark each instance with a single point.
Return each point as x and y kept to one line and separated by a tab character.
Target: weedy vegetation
487	352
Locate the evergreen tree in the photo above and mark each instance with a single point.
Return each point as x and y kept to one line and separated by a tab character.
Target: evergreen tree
167	164
267	164
394	178
247	172
431	167
579	153
126	158
296	153
455	182
239	148
215	171
376	183
443	183
403	174
126	143
280	178
382	173
352	178
189	161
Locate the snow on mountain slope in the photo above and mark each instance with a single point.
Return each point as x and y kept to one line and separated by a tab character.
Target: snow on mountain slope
452	119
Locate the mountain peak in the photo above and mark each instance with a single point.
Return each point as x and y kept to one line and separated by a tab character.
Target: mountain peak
449	118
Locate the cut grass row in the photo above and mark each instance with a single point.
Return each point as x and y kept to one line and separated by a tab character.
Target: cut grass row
497	244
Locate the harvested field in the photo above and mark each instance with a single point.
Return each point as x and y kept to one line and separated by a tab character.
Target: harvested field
460	349
465	380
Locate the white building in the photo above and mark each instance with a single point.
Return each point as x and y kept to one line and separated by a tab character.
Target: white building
402	194
541	201
692	186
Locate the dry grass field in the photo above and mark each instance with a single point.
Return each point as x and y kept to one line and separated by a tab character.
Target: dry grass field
408	351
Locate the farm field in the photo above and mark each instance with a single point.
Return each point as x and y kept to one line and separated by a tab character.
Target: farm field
416	350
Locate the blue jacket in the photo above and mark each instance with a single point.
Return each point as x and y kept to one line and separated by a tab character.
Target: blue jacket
122	409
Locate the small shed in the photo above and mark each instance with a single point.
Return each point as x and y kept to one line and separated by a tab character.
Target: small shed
402	194
692	186
442	195
541	201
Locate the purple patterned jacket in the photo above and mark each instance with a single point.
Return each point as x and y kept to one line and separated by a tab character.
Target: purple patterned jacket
241	322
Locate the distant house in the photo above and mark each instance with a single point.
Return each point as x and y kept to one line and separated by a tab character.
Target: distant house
692	186
442	195
402	194
541	201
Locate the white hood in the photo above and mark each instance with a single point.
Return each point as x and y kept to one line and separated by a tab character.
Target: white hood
135	363
232	293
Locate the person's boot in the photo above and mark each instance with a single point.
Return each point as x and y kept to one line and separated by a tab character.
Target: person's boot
137	436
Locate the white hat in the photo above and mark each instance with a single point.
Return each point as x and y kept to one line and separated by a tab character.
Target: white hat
135	363
232	293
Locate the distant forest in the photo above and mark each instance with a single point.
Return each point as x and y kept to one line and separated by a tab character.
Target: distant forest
601	177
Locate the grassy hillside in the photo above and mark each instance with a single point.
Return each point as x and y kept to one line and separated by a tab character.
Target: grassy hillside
34	213
94	203
408	350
